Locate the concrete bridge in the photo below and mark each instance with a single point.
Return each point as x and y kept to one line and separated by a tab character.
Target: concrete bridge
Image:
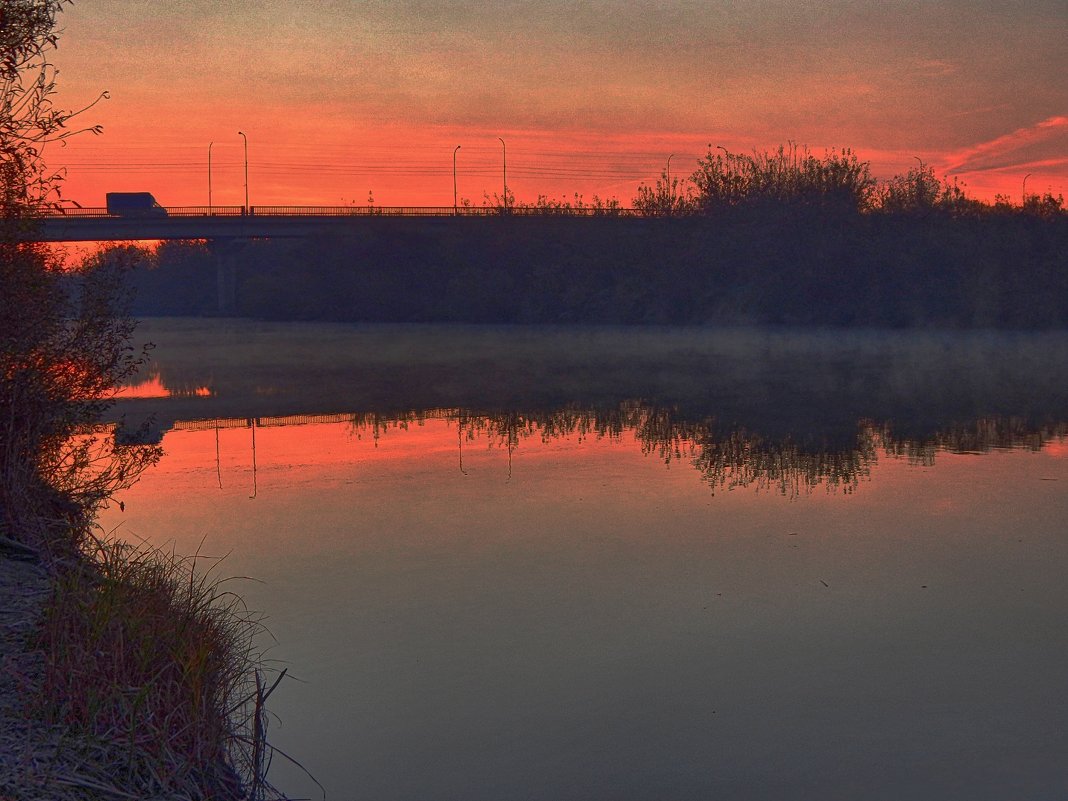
228	228
266	222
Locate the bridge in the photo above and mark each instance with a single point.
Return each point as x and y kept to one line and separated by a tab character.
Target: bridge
255	222
227	228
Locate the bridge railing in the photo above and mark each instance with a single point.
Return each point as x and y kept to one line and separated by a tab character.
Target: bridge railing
348	211
205	211
173	211
438	211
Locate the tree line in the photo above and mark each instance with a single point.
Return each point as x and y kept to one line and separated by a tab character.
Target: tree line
778	238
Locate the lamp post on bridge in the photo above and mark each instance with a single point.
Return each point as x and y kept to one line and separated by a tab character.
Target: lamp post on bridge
920	183
504	155
242	134
209	176
454	196
671	192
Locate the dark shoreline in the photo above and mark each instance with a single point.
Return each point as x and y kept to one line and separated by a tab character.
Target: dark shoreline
783	265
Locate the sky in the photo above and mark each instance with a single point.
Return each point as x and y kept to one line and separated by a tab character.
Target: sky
342	100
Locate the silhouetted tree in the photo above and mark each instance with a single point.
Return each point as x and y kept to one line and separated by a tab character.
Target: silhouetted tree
64	343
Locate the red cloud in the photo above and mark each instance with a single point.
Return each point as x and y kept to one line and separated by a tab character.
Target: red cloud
1044	144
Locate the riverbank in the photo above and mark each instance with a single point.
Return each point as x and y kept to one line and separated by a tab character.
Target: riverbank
778	265
125	676
38	759
24	590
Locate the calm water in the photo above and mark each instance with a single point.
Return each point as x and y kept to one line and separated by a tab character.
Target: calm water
633	564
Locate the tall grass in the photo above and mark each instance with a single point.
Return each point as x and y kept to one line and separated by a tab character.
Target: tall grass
789	174
148	654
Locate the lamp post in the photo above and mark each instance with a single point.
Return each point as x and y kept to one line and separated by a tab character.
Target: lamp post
727	167
668	174
504	156
1023	194
209	176
726	156
242	134
454	211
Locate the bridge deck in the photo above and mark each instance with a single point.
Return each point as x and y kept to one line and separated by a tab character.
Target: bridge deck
204	222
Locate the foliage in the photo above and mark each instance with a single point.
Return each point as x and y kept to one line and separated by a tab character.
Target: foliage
788	175
150	654
62	361
836	183
137	650
64	343
547	205
917	192
502	203
28	118
1047	206
668	197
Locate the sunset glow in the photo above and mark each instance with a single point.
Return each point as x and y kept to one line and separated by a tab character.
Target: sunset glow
342	102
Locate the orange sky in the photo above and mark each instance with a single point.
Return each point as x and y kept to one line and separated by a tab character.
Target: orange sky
340	99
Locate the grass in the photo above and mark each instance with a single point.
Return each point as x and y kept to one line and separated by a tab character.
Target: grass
151	672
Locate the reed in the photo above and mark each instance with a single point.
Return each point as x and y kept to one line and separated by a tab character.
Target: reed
151	669
788	175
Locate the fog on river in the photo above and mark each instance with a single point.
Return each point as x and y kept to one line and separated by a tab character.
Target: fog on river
610	563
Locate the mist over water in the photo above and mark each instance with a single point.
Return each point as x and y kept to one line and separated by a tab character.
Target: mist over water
620	563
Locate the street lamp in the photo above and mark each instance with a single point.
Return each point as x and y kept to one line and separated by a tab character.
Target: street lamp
209	176
726	161
504	155
242	134
1023	194
668	173
454	178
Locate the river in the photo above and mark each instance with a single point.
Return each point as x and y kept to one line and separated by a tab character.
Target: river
622	563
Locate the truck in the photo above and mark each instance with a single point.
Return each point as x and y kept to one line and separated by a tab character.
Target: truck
134	204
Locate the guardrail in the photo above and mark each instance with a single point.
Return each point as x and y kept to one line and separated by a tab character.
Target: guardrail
347	211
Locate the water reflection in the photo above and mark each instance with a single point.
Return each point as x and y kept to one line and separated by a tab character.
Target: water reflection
785	411
602	626
797	389
726	460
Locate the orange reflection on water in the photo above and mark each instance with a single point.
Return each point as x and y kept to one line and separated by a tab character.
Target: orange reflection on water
1058	449
317	450
153	387
268	454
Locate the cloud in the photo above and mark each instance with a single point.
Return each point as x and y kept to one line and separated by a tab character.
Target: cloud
1042	144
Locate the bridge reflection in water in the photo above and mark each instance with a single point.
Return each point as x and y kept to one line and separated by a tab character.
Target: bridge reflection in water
600	625
725	459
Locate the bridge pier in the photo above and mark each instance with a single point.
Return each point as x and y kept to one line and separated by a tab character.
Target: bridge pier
225	251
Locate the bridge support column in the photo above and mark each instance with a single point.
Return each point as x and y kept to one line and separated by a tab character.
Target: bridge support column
226	280
225	252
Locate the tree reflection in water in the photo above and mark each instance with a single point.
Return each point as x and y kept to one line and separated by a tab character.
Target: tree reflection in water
726	458
785	410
